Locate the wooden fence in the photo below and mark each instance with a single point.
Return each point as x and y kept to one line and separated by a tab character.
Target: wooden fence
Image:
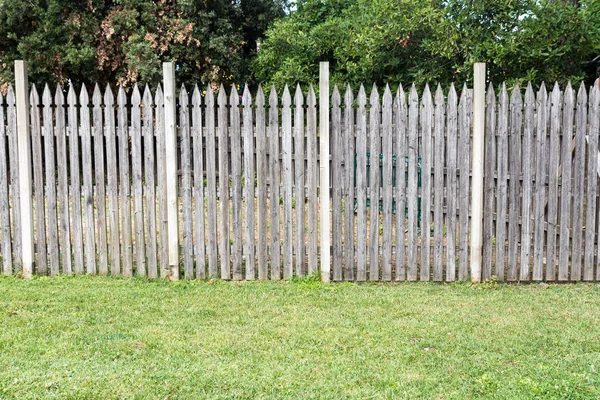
248	184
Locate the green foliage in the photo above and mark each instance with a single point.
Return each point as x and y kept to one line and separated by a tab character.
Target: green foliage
431	41
126	41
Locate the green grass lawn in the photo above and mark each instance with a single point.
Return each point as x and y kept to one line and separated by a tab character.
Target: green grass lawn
103	338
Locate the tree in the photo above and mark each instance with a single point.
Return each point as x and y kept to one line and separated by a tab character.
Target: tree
404	41
125	41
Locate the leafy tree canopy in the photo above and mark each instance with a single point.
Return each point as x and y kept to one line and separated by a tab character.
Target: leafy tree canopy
404	41
125	41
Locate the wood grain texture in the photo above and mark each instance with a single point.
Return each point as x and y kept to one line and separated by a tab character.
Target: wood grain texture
41	266
211	189
249	191
312	180
300	181
578	184
274	184
592	184
412	193
149	183
464	152
88	188
361	186
540	184
4	199
426	183
337	158
566	184
349	184
124	183
451	185
261	178
527	170
401	150
374	182
502	185
79	264
112	179
137	180
236	184
100	180
287	182
553	168
515	132
223	137
185	190
161	176
387	183
438	185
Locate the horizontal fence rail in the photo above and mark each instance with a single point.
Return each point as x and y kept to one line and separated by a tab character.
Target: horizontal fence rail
248	184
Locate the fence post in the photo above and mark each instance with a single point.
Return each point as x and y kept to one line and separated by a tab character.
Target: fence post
171	169
24	150
324	169
477	170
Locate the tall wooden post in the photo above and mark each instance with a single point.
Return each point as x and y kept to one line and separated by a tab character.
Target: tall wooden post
24	149
171	169
324	169
477	170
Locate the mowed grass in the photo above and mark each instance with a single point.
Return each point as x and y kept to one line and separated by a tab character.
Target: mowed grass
110	338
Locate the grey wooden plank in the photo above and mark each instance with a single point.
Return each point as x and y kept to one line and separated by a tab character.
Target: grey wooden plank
14	192
287	177
137	181
592	183
516	129
4	198
553	168
161	176
438	186
299	188
388	199
578	183
222	130
349	184
63	183
502	188
186	185
451	185
361	185
199	224
211	189
249	192
50	164
464	118
426	186
274	182
374	182
337	158
77	232
312	181
88	189
149	182
124	181
261	179
236	184
412	193
401	150
41	266
566	182
527	171
540	184
99	176
112	179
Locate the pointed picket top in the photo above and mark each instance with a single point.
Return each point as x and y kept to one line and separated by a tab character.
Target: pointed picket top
34	97
183	97
84	98
439	96
287	98
362	96
209	98
387	96
109	98
335	97
569	94
581	96
222	96
260	97
273	101
516	98
234	97
136	98
59	97
348	97
594	92
196	97
121	97
453	97
529	95
312	98
413	97
298	96
246	97
374	98
400	99
97	96
147	99
10	96
555	96
71	96
503	96
46	96
426	99
159	99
